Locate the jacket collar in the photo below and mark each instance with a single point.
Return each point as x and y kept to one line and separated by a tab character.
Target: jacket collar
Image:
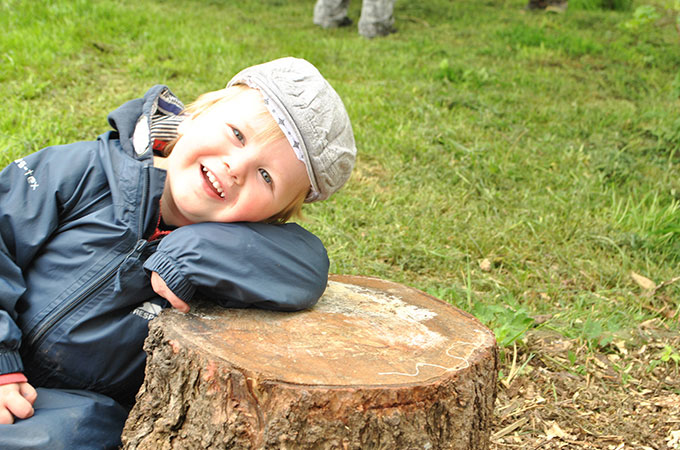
137	121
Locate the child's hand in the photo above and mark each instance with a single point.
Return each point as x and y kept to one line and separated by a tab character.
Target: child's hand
16	400
162	289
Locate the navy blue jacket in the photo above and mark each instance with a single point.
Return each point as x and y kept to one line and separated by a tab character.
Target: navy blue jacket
75	296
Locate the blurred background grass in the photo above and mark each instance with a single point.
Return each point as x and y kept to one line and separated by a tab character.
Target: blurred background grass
514	163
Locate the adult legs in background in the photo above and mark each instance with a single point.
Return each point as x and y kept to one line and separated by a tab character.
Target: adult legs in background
376	18
331	13
69	420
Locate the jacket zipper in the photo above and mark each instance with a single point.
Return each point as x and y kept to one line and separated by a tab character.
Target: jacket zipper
56	316
41	330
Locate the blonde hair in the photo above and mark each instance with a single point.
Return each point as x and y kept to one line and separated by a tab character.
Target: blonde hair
270	133
294	209
267	134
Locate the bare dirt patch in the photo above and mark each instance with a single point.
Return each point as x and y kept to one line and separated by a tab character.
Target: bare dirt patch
557	393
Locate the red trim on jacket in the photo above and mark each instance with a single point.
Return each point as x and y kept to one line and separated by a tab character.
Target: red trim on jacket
16	377
158	233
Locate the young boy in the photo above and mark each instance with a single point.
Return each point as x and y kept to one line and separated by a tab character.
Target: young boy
97	237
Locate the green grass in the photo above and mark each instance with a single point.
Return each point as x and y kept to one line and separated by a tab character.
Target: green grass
548	144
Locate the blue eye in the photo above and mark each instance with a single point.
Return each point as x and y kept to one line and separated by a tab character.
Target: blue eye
239	136
266	176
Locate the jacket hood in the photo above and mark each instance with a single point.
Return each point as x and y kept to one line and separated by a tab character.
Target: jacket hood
132	120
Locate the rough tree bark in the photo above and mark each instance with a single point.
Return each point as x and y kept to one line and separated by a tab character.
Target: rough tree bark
374	365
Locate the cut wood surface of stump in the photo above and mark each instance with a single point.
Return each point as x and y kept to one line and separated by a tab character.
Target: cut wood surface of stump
374	365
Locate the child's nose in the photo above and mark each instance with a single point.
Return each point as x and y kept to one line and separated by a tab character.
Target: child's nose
238	167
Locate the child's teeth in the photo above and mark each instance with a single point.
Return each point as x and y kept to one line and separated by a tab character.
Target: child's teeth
216	184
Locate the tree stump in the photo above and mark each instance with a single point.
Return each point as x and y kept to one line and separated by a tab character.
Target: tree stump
374	365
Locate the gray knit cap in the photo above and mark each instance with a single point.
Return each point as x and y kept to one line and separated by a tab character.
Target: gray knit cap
311	115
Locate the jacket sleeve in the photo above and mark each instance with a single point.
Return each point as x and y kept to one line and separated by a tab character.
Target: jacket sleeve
279	267
27	218
34	192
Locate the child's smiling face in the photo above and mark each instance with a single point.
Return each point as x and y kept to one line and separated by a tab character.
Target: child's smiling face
220	170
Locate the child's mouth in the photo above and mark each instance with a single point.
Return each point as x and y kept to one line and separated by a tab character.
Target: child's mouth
212	181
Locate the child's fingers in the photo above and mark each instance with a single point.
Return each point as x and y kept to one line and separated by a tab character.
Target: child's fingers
6	417
28	392
14	404
177	302
20	407
162	289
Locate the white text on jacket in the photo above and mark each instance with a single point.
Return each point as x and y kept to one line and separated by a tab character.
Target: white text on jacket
28	172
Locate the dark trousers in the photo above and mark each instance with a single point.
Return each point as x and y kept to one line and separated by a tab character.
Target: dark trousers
67	419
